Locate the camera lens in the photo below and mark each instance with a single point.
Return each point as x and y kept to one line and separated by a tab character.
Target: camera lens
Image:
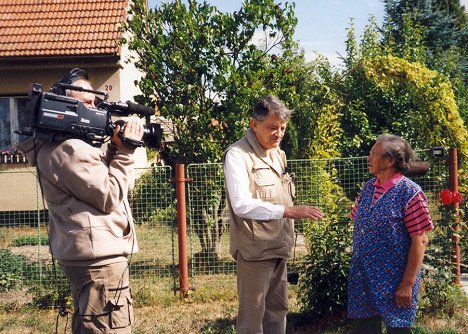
152	135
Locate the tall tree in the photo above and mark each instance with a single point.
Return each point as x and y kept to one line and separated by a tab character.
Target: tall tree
385	93
443	25
204	71
203	68
445	20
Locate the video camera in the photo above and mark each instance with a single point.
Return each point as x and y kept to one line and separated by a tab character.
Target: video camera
56	118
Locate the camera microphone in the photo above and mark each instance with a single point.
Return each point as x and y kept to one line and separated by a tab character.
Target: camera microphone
127	108
134	108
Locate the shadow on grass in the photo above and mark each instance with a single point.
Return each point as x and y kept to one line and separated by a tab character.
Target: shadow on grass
297	323
219	326
145	268
302	322
200	264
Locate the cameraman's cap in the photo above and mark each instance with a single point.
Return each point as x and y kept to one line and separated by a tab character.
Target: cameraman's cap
72	76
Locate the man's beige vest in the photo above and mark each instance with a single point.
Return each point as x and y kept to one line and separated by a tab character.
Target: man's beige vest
262	239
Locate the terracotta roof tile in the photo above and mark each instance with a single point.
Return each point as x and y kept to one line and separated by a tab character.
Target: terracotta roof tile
60	27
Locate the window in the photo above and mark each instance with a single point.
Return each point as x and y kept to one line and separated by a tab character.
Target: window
12	117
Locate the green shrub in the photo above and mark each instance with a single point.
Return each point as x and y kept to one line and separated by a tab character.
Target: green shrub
324	275
325	269
11	272
152	198
30	240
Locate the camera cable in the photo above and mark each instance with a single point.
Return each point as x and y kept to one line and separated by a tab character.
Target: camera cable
62	307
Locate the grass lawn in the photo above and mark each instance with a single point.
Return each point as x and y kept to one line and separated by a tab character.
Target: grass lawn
209	309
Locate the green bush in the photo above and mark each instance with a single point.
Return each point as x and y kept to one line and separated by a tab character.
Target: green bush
324	273
53	290
48	287
152	198
30	240
11	272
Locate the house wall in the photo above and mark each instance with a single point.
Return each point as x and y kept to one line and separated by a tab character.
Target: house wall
23	188
103	78
128	75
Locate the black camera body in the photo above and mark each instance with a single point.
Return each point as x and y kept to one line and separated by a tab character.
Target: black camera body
56	118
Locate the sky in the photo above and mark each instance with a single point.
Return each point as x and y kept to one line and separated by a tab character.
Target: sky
322	24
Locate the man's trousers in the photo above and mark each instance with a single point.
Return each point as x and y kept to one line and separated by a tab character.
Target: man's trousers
101	299
262	290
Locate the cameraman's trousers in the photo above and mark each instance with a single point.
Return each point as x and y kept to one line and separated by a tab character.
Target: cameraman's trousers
101	299
262	290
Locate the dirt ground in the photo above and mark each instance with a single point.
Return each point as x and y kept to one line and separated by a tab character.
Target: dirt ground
33	253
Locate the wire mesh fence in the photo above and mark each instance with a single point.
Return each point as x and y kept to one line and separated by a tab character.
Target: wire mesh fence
332	184
152	202
314	181
27	264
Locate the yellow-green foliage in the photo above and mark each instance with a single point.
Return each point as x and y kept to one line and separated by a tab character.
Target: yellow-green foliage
436	116
327	134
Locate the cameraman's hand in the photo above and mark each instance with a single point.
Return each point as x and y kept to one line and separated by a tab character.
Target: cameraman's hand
132	130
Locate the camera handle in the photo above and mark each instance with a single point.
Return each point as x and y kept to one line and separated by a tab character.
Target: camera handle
133	143
129	142
81	89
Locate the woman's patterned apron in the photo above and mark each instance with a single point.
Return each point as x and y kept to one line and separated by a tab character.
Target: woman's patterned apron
380	250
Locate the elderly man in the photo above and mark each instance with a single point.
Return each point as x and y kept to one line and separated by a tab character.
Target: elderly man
260	195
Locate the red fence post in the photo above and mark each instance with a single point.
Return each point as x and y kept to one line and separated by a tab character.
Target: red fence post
182	229
453	186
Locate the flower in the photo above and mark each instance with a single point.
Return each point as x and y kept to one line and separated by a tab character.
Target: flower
448	197
456	197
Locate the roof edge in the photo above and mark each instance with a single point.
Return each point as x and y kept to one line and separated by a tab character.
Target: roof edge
111	59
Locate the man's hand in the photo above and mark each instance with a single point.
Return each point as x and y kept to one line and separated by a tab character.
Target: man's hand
132	130
403	294
303	211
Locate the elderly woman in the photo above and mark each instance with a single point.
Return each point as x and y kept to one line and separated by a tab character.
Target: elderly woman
390	218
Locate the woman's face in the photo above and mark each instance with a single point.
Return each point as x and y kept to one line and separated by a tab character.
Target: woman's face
377	162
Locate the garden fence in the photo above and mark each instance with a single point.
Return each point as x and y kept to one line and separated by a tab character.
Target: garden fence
26	263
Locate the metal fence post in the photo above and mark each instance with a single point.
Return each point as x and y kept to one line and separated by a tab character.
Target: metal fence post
182	229
453	186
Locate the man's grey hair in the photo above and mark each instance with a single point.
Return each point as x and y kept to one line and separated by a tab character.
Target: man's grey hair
271	103
399	149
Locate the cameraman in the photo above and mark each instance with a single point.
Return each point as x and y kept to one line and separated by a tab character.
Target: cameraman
91	231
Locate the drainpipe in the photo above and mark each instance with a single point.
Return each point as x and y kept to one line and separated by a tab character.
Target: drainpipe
453	186
182	229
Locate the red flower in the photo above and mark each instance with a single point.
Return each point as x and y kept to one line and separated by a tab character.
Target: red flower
456	197
446	197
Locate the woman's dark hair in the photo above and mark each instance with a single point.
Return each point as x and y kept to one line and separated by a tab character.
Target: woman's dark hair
406	161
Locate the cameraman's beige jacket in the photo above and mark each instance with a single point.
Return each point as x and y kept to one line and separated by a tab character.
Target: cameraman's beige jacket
255	239
86	192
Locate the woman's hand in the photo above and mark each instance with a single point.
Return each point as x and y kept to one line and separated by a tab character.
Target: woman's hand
404	294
